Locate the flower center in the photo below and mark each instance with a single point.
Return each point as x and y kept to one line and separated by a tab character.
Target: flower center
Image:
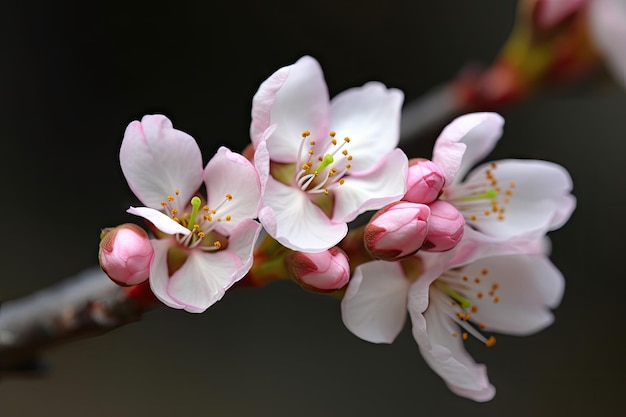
453	291
321	167
481	200
201	221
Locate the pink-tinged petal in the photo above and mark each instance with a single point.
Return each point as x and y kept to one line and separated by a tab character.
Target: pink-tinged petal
550	13
372	190
374	305
262	158
516	293
262	104
296	103
291	218
203	279
434	333
242	242
370	117
230	174
159	275
608	30
540	199
159	220
157	160
466	141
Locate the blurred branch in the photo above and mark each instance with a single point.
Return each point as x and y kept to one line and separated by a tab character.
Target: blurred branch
85	305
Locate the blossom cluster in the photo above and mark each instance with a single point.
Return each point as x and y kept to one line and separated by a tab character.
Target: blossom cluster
458	245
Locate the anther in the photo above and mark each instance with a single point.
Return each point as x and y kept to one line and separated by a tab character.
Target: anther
491	341
217	244
332	133
306	133
228	218
229	197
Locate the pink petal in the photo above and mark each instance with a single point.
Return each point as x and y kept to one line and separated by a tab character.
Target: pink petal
370	117
372	190
203	279
466	141
229	173
262	158
291	218
157	160
608	30
159	220
374	305
296	99
159	275
527	287
242	242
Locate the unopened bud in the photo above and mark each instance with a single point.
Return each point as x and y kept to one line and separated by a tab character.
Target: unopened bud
322	271
424	181
445	227
125	254
397	230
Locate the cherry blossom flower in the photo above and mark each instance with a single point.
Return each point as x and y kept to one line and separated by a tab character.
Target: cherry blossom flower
503	198
480	286
202	248
324	162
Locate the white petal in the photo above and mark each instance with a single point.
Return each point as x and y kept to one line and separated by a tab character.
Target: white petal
291	218
159	220
527	287
262	158
300	103
370	117
608	29
203	279
386	183
230	173
374	305
445	354
159	275
540	200
157	160
464	142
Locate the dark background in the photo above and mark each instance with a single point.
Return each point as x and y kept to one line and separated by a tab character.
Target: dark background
73	75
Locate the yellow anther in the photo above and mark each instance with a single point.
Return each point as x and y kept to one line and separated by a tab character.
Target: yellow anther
341	181
464	336
332	133
334	141
326	192
228	218
484	271
477	280
201	235
311	152
345	152
496	299
349	157
176	219
217	244
229	197
491	341
312	143
455	334
163	203
170	198
174	212
213	211
205	208
306	133
346	139
473	218
176	192
348	166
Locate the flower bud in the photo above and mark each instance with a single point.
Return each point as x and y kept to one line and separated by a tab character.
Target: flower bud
323	271
397	230
445	227
424	181
126	254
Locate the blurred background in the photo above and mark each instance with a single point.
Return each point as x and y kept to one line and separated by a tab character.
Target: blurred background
74	74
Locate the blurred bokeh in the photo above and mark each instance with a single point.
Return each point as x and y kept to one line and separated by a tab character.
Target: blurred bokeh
74	74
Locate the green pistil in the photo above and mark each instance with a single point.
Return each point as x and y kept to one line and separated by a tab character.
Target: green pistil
195	207
328	159
489	195
465	303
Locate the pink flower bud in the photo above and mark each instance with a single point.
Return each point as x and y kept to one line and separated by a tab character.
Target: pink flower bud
322	271
397	230
445	227
548	14
424	181
125	254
